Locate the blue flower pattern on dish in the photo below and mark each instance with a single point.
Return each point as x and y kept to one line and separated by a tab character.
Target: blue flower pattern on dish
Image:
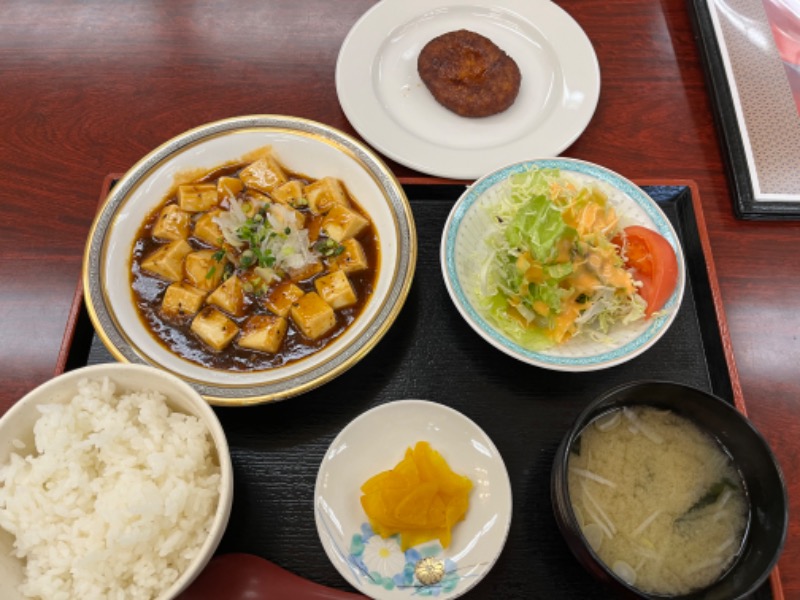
384	564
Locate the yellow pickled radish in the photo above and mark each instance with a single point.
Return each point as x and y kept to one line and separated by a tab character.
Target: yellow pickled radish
421	498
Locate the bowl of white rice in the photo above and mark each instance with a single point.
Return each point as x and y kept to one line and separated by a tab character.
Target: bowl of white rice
115	482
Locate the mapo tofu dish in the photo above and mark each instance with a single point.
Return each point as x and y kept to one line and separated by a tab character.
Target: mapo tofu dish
253	266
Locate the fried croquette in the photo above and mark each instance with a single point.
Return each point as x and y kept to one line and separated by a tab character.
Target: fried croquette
468	74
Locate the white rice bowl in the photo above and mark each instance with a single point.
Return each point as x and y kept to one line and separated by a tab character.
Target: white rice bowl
115	482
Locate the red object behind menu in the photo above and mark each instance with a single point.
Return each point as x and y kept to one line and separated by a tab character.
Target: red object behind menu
249	577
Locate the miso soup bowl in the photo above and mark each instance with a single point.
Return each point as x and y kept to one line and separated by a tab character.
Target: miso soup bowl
752	456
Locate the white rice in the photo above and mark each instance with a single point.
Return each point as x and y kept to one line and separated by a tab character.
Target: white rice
117	499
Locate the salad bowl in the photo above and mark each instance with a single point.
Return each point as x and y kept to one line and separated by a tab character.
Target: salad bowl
469	252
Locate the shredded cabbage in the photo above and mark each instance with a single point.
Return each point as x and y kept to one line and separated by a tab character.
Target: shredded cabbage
553	271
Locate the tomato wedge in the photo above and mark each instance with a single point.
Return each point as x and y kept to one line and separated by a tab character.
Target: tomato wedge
652	261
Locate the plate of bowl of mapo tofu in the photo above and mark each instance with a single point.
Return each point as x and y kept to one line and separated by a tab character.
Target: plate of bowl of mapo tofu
256	257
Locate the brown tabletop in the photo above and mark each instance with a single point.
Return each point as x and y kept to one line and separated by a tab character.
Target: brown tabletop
87	88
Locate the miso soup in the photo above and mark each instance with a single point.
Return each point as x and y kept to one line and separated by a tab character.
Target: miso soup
658	499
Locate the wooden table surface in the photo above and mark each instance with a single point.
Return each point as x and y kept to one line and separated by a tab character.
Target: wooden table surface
87	88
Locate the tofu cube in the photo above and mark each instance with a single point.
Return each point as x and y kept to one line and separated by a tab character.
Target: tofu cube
290	193
286	216
336	290
313	316
352	259
264	333
281	297
207	231
229	187
203	270
253	200
182	300
167	261
342	223
325	193
172	223
198	197
263	175
214	328
305	272
229	296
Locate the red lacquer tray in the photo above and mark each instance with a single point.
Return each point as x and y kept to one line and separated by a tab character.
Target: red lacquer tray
431	353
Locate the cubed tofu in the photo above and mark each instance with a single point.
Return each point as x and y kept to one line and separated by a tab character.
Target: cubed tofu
258	279
307	271
252	201
263	175
172	223
207	231
285	215
182	300
167	261
229	187
229	296
264	333
214	328
325	193
335	288
198	197
290	193
281	297
203	270
313	316
352	259
342	223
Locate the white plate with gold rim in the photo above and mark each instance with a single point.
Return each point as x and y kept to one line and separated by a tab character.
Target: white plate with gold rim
303	146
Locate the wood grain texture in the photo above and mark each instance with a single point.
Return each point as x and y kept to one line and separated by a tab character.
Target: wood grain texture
89	87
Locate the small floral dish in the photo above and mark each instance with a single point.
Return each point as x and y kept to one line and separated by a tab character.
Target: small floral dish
376	441
467	251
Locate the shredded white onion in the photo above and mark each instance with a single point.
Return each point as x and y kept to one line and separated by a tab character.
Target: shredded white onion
645	524
593	476
644	429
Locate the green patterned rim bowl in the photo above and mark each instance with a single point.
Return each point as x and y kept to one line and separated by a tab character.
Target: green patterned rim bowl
462	248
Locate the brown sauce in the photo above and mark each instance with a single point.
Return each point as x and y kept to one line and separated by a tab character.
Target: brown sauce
176	335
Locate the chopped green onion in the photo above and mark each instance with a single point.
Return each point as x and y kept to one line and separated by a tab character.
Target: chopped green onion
247	258
328	247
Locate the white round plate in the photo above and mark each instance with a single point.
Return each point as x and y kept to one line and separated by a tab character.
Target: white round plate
463	246
376	441
385	100
303	146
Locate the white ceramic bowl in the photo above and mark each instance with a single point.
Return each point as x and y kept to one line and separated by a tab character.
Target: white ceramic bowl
17	424
303	146
463	249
